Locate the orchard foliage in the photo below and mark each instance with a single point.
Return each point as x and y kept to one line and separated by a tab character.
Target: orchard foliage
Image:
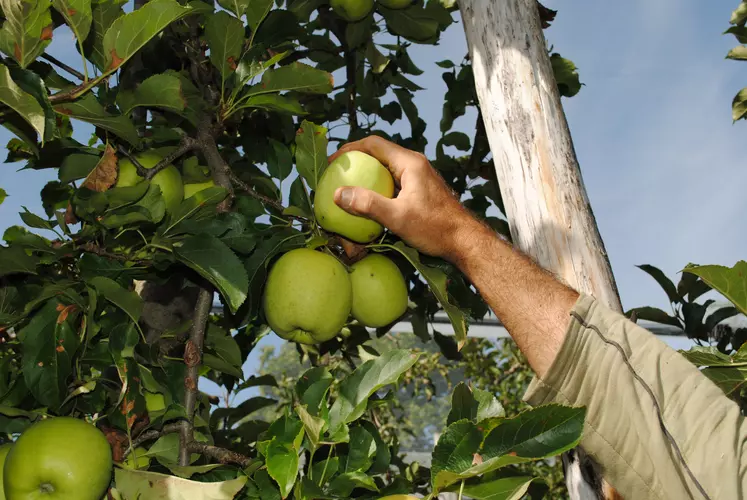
109	317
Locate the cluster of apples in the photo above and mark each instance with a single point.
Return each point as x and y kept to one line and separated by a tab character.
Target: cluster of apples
355	10
173	190
57	458
310	294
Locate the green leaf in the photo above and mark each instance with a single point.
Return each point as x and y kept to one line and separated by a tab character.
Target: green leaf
739	32
240	412
312	425
361	450
417	125
413	23
312	389
256	11
728	379
297	77
311	152
255	381
376	59
739	105
282	465
77	14
654	314
344	484
22	103
363	382
663	282
157	91
225	38
89	109
133	484
566	75
505	488
55	196
222	353
49	344
436	279
279	160
3	195
129	33
459	140
455	449
214	261
541	432
129	301
707	356
738	53
730	282
463	405
27	29
274	102
15	260
202	202
103	14
33	220
739	15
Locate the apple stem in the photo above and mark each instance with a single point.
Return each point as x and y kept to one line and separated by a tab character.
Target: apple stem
193	359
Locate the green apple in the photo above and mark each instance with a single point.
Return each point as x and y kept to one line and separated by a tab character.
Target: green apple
59	458
141	462
4	449
379	291
351	169
192	189
169	179
396	4
352	10
307	296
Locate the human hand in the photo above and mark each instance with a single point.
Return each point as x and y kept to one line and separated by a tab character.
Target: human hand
425	213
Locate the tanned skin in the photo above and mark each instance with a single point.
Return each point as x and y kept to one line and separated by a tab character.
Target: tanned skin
426	214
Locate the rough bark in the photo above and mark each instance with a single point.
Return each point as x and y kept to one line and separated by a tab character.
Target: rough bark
546	204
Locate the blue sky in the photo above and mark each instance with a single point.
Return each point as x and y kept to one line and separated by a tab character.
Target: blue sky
660	157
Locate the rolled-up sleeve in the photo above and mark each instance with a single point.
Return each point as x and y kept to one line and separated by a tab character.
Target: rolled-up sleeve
636	389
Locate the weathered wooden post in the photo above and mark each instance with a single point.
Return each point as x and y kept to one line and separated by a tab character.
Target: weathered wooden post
546	203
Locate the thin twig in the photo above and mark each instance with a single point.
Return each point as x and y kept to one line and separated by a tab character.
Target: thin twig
219	169
254	194
141	170
186	145
221	455
193	359
151	435
77	74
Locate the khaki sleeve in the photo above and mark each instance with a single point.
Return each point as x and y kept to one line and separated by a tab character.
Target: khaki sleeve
636	389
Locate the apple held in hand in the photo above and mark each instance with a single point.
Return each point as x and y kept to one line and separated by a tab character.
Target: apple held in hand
379	291
307	296
169	179
351	169
352	10
60	458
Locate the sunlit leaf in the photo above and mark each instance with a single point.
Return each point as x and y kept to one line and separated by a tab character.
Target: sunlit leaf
225	37
730	282
157	91
21	102
218	264
77	14
135	484
311	152
282	465
129	301
89	109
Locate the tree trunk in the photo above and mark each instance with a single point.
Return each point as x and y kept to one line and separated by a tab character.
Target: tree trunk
546	203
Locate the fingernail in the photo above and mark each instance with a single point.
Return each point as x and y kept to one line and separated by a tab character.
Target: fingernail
346	197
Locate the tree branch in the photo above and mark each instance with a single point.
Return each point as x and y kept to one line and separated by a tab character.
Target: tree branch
151	435
77	74
139	168
221	455
186	145
254	194
220	170
193	359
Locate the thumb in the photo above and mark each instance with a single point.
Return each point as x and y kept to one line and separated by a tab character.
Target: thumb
367	203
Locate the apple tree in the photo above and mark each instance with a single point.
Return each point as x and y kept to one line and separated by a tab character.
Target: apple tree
146	271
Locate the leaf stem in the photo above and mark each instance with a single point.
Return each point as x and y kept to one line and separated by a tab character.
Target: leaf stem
326	463
461	490
77	74
193	359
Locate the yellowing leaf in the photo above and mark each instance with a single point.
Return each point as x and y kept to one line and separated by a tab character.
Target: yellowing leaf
139	485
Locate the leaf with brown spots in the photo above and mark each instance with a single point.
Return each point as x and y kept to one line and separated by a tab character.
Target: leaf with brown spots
78	16
225	37
104	174
27	29
64	312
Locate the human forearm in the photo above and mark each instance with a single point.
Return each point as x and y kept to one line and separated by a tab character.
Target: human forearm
533	305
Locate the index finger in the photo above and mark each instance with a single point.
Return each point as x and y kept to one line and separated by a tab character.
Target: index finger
391	155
